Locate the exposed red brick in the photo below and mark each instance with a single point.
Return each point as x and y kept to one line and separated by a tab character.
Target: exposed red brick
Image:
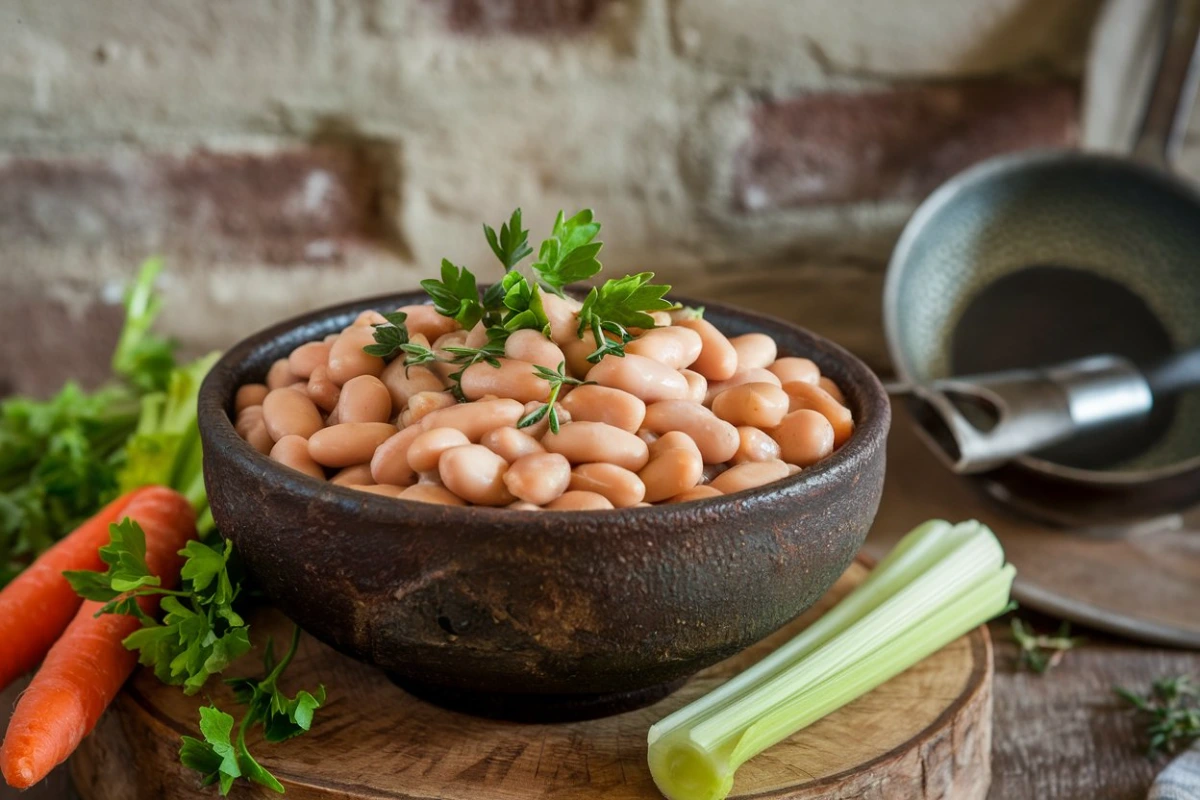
842	148
293	205
482	17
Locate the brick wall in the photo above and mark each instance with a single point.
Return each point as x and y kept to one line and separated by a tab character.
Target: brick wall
288	153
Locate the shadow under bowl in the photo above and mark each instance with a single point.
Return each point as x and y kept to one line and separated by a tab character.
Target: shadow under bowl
539	615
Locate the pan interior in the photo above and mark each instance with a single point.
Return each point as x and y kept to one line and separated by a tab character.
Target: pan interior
1044	259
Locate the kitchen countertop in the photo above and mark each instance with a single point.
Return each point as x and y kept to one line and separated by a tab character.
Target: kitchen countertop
1061	735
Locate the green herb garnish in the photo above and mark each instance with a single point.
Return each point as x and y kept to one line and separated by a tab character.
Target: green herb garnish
390	337
455	295
512	244
1173	710
569	255
617	306
1042	653
557	378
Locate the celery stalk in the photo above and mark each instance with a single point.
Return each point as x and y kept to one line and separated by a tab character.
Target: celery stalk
938	583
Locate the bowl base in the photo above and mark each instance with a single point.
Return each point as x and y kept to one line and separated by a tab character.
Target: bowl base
535	708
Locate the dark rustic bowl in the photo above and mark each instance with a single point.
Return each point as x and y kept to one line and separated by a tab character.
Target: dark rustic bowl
536	614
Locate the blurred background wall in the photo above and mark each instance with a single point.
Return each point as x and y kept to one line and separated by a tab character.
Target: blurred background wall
284	154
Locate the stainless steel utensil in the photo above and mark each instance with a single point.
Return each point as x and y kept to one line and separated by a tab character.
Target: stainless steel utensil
1036	259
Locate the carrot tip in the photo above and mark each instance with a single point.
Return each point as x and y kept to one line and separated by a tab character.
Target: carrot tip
20	774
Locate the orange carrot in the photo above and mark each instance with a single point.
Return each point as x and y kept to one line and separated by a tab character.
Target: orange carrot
37	605
85	669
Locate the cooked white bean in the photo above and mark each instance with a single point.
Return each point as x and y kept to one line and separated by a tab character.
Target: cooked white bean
676	347
292	451
422	404
675	466
307	357
368	318
716	438
749	475
432	493
426	321
357	475
323	392
511	443
805	395
795	369
697	385
384	489
347	359
579	501
364	399
281	375
515	379
252	394
641	377
576	352
538	478
563	317
533	347
833	389
594	403
348	443
477	336
742	376
403	381
475	474
762	405
538	429
695	493
389	464
521	505
250	427
289	412
583	442
805	437
754	350
443	369
718	360
618	485
755	445
426	449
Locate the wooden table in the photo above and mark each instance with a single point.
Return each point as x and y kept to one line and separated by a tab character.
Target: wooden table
1061	735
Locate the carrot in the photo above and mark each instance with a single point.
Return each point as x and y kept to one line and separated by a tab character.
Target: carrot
37	605
85	669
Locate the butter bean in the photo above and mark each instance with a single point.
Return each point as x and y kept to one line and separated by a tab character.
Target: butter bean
289	412
426	321
368	318
583	442
422	404
755	445
251	428
323	392
440	368
675	466
515	379
649	437
383	489
475	474
718	360
364	399
642	377
742	376
538	429
805	437
762	405
533	347
307	357
749	476
754	350
618	485
832	389
661	318
403	382
358	475
511	444
476	419
576	352
252	394
292	451
579	501
389	463
521	505
477	336
426	449
697	385
695	493
592	403
432	493
281	375
347	359
805	395
538	478
795	369
348	443
563	316
676	347
716	438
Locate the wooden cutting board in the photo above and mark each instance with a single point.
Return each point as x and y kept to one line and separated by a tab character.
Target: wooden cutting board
924	734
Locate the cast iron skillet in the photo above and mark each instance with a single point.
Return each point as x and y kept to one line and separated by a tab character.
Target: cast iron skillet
536	614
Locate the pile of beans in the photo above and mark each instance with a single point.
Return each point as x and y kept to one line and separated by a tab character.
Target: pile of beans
686	414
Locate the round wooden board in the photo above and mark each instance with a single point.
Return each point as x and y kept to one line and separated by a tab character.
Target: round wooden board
924	734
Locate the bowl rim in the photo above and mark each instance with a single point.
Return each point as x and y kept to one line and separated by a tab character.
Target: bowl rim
215	399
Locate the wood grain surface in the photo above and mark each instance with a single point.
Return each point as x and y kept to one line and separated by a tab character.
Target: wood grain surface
925	734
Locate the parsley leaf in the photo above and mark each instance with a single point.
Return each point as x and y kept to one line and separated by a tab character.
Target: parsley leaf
511	245
282	717
569	255
619	304
524	303
218	758
455	295
390	337
557	378
125	555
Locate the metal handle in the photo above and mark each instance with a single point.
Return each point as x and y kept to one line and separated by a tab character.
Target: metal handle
1164	121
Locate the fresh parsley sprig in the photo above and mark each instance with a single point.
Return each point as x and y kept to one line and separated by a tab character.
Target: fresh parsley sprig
618	305
455	295
557	378
512	245
569	255
1172	707
220	758
390	337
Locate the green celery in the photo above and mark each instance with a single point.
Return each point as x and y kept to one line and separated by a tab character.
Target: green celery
938	583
